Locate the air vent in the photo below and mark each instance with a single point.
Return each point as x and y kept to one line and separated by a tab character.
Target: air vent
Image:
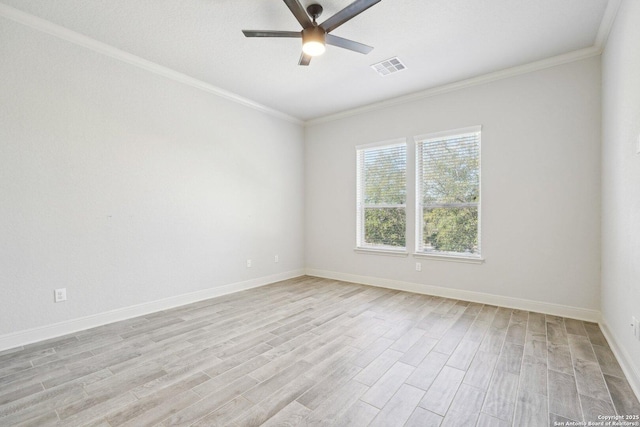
389	66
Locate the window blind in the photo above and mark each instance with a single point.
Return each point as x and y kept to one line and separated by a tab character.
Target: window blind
382	196
448	193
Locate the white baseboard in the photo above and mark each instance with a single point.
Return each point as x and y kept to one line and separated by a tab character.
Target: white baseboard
631	370
480	297
41	333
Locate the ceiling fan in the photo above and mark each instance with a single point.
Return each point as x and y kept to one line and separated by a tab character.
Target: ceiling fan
314	36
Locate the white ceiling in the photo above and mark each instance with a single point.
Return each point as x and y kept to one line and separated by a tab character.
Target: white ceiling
440	41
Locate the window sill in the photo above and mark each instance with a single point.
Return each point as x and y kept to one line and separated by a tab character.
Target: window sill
386	252
450	258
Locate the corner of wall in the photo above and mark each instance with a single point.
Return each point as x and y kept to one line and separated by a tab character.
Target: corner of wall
631	371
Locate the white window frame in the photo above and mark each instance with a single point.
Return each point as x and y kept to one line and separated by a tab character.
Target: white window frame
420	252
361	245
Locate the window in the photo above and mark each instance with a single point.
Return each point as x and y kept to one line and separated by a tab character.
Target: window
448	193
382	194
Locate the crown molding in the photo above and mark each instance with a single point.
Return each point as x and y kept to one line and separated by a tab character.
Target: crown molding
63	33
554	61
604	30
108	50
606	24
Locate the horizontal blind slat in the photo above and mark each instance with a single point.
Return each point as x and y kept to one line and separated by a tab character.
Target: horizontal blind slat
384	171
450	170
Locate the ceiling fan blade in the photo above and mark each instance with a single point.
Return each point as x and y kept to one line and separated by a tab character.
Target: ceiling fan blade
298	11
260	33
304	59
347	13
348	44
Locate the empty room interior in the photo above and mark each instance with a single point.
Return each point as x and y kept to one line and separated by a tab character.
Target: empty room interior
351	213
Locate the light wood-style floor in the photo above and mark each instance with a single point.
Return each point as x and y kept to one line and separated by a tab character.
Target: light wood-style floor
312	351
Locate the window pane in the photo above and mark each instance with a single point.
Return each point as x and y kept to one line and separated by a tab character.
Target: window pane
385	226
448	180
451	229
450	170
381	196
385	175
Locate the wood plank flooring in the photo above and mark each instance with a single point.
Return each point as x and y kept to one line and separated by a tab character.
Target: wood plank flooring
312	351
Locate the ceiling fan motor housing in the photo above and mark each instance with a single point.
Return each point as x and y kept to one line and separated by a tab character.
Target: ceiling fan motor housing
316	34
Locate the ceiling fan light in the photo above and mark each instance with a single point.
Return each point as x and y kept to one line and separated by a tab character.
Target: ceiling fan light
313	41
313	48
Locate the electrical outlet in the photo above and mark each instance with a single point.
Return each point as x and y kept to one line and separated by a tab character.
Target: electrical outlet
276	259
636	327
60	295
248	263
418	266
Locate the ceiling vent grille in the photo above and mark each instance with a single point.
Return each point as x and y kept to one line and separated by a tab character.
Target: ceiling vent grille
389	66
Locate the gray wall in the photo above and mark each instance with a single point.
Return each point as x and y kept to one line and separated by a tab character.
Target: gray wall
540	187
621	185
125	187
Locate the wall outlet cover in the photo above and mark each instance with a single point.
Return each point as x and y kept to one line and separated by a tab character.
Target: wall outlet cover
60	295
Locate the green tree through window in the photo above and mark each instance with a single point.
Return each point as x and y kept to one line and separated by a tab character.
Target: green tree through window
449	189
382	196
